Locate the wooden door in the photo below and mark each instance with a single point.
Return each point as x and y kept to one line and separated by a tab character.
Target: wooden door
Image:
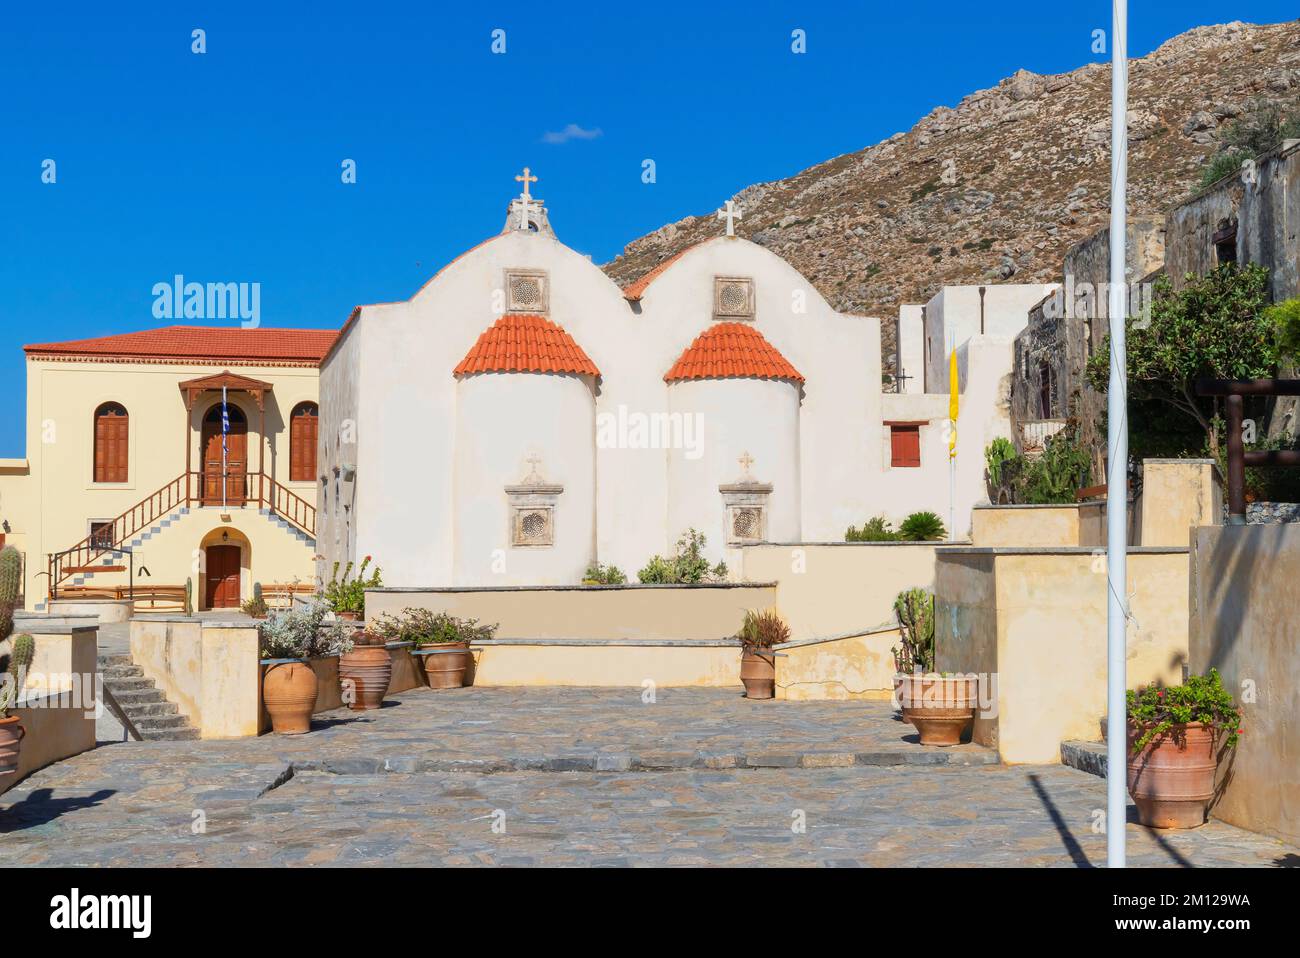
223	577
112	429
236	458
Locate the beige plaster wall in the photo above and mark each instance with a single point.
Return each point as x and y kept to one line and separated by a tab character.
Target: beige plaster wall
590	612
839	668
826	589
1177	495
210	670
1025	525
630	666
1034	623
1245	590
59	725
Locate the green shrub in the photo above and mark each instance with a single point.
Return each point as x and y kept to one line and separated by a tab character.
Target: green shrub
1056	475
996	455
1221	165
1285	318
686	567
762	630
873	530
914	609
922	527
598	574
302	633
349	595
423	627
1202	698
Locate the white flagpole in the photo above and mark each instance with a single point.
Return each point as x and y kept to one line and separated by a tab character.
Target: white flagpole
225	429
1117	457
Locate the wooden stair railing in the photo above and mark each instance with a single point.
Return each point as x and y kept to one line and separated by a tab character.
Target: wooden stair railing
184	490
63	565
285	503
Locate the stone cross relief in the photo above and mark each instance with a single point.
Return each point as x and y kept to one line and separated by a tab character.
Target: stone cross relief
526	198
746	460
534	477
731	213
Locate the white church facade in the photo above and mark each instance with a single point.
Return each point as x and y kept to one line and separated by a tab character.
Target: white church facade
521	416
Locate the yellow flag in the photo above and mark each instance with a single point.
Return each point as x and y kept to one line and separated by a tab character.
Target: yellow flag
952	405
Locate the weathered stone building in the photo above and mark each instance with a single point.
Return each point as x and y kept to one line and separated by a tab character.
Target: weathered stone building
1249	217
1048	386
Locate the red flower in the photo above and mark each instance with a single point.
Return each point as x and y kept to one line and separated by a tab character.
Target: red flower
1160	695
1241	731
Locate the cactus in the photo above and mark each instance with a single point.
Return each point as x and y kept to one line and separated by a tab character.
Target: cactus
20	660
257	591
189	597
10	581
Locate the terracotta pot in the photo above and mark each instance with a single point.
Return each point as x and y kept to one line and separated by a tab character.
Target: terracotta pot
369	668
348	616
11	740
289	693
758	673
446	669
942	709
1172	778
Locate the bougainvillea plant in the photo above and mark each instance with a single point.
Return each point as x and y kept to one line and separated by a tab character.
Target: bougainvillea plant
1202	698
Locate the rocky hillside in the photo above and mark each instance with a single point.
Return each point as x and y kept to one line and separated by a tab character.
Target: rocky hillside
998	188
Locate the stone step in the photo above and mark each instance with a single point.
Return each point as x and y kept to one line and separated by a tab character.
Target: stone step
186	734
159	722
115	672
132	697
108	661
116	685
139	711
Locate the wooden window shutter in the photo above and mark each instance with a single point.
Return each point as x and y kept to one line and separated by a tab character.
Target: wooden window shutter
112	445
303	430
905	446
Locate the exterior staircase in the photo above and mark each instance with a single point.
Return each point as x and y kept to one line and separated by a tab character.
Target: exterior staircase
155	717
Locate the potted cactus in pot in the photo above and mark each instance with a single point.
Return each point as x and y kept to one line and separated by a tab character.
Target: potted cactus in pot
15	658
942	707
1177	736
441	640
759	633
256	606
289	640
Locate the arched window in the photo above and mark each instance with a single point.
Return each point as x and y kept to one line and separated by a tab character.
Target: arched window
302	442
111	446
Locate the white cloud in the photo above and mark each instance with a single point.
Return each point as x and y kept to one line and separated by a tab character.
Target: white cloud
570	132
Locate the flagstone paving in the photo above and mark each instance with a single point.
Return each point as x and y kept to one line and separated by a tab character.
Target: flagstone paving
297	801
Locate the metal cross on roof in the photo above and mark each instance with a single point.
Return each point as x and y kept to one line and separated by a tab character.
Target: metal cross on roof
731	213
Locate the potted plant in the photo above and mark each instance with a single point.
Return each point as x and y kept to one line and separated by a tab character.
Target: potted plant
942	707
19	654
365	671
442	640
759	632
256	606
289	639
598	574
347	596
1176	738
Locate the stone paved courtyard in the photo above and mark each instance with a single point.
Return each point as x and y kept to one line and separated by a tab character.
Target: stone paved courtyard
581	777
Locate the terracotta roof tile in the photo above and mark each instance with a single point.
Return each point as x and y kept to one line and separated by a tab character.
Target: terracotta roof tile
634	291
216	344
525	343
731	350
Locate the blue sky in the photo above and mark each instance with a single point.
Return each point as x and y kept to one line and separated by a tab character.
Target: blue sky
225	166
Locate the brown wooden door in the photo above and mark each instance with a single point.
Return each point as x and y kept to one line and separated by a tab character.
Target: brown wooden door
112	430
302	442
223	577
236	458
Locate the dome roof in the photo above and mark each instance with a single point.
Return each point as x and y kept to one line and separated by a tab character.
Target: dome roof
525	343
729	350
